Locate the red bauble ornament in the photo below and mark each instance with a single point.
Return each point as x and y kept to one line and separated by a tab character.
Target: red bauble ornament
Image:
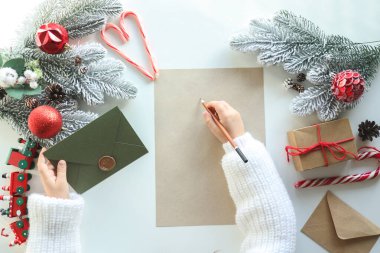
52	38
347	86
45	122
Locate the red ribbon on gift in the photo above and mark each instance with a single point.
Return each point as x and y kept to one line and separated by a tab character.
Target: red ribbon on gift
335	149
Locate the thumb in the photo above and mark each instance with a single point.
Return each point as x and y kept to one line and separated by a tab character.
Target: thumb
61	170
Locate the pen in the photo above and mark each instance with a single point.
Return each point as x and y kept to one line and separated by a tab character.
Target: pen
226	134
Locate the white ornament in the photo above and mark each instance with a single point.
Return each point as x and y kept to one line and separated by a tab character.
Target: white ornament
8	77
28	74
21	80
33	85
34	76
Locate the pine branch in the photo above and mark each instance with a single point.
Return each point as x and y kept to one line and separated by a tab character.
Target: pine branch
279	45
300	46
120	90
87	90
90	80
311	100
330	110
108	70
319	74
84	25
301	26
83	17
16	114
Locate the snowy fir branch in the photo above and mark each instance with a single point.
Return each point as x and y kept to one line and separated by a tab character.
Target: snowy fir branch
81	18
300	46
314	99
90	80
16	114
83	72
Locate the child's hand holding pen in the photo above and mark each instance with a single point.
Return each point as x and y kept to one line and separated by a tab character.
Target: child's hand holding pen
224	122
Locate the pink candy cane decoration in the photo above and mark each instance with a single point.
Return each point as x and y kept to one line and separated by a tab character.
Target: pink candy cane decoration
124	36
364	153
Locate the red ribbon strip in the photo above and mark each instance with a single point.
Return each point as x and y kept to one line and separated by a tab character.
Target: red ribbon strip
336	150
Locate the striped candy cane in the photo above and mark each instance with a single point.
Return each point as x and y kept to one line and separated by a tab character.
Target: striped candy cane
364	153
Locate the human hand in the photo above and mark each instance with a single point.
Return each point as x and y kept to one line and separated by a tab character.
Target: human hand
228	116
53	180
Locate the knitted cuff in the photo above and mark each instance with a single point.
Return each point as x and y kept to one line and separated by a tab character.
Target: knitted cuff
54	223
242	141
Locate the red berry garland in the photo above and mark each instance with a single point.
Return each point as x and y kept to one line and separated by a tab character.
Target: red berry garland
347	86
52	38
45	122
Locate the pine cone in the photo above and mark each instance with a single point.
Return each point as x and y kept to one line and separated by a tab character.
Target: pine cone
301	77
368	130
288	83
55	93
82	70
298	87
3	93
31	103
77	60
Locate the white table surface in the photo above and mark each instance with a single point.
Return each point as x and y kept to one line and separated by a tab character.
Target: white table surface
120	212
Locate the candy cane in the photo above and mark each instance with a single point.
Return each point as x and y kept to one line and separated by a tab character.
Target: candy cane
5	188
3	233
5	197
337	180
364	153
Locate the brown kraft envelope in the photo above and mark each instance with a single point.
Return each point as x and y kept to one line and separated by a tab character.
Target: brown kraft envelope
331	131
339	228
190	185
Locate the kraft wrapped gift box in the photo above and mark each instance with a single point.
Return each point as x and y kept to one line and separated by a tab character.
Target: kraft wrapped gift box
337	131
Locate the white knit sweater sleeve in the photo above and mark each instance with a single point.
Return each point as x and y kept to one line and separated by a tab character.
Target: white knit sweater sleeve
264	211
54	224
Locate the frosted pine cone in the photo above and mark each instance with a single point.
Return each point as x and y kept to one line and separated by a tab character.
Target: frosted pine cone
347	86
288	83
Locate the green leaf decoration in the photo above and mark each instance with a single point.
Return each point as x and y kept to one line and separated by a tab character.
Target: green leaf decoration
1	61
19	93
17	64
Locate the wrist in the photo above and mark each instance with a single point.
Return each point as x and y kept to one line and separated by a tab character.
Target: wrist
241	141
50	210
58	195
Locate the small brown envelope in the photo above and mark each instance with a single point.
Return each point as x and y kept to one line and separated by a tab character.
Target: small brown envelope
338	228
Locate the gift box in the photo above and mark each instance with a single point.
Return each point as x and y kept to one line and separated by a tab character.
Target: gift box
321	144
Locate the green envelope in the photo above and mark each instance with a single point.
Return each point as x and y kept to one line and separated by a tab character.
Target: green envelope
110	135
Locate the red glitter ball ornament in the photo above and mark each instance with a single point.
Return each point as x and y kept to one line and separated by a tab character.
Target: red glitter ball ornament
45	122
52	38
347	86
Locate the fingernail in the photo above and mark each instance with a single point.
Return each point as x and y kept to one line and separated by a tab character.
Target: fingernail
61	162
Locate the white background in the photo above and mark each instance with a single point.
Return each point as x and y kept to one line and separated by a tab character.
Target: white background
120	212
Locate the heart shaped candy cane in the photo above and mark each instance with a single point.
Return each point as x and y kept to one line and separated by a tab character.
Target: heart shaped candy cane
124	36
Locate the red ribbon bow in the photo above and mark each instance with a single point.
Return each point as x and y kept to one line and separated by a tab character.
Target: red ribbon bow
336	150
